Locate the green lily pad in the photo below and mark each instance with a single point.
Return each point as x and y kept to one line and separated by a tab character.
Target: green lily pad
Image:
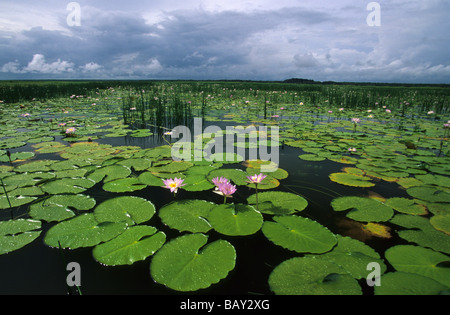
129	209
34	166
187	215
363	209
299	234
82	231
186	264
310	276
109	173
15	201
124	185
67	186
422	232
405	205
278	202
59	207
353	256
15	234
135	244
17	156
429	193
441	222
237	176
404	283
235	219
421	261
351	180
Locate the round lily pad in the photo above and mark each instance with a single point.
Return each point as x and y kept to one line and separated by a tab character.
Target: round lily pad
310	276
187	215
405	205
235	219
129	209
363	209
351	180
299	234
59	207
429	193
404	283
186	264
124	185
135	244
278	202
67	186
421	261
15	234
82	231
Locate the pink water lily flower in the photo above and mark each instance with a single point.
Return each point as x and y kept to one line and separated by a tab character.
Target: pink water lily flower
71	130
256	179
226	189
173	184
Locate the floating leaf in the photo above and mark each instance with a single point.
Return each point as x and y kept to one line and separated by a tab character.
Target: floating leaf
299	234
187	215
235	219
129	209
186	264
429	193
82	231
441	222
124	185
421	261
403	283
311	276
278	202
422	232
363	209
405	205
15	234
238	177
109	173
135	244
67	186
353	256
351	180
58	207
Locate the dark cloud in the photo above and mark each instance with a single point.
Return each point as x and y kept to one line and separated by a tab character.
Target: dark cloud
317	43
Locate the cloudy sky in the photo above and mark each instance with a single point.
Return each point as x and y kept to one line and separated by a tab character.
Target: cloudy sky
226	39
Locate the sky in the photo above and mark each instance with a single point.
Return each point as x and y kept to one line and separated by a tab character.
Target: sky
392	41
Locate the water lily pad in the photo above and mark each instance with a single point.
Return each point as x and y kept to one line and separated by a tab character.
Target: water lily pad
405	205
187	215
422	232
441	222
124	185
17	156
351	180
34	166
299	234
129	209
67	186
311	157
109	173
135	244
186	264
429	193
353	256
235	219
404	283
421	261
60	207
82	231
311	276
237	176
278	202
363	209
15	234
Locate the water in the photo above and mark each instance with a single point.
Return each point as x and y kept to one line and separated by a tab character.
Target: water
39	269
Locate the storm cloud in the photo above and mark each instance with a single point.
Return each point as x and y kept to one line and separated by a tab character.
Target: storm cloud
252	40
